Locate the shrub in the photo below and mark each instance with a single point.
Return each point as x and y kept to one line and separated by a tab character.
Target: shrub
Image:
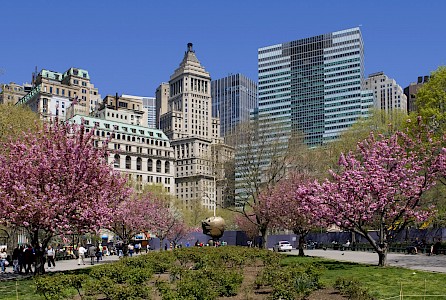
289	282
352	288
57	286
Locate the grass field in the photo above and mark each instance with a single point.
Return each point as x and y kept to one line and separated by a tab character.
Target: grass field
382	283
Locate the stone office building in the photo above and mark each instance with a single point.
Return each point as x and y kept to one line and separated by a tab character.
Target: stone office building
193	132
143	154
53	93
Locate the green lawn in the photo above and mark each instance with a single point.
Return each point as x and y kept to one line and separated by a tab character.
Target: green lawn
381	282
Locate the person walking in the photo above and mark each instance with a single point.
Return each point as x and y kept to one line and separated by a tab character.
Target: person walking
3	260
50	255
92	253
81	252
20	259
28	258
131	250
98	254
15	259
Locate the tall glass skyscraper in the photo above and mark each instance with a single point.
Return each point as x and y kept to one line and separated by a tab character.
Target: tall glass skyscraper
313	86
233	97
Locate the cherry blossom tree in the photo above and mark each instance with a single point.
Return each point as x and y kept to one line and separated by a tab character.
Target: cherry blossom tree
136	214
381	187
56	182
298	206
248	225
181	231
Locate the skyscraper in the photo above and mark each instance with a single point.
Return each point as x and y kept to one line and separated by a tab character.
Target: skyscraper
233	97
193	132
389	95
313	86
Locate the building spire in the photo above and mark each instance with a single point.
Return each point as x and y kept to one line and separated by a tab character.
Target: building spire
189	47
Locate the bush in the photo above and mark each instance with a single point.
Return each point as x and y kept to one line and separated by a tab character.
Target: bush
352	288
290	282
57	286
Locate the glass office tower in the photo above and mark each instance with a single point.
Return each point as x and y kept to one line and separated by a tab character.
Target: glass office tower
233	97
313	87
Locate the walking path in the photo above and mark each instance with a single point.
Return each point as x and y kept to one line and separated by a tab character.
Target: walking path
434	263
61	265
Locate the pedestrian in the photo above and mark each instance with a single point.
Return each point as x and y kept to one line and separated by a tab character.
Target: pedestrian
28	258
15	259
50	255
3	261
165	247
92	253
98	254
137	247
20	259
81	258
131	249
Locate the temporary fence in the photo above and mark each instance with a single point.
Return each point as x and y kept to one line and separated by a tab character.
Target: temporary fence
425	296
10	289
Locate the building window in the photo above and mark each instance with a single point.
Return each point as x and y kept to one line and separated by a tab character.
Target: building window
149	165
117	163
167	167
139	164
158	166
128	162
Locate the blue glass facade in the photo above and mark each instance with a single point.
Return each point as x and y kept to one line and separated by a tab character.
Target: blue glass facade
232	99
313	86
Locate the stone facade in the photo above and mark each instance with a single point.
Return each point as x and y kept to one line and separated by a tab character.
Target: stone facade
13	92
53	93
388	94
193	132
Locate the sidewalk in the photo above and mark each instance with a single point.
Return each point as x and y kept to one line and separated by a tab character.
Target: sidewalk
61	265
434	263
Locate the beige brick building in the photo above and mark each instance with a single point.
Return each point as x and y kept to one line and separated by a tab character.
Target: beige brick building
13	92
53	93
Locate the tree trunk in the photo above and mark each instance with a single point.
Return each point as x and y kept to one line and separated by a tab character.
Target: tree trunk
264	237
382	258
39	252
301	244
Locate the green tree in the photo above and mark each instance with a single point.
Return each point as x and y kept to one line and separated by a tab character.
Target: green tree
14	120
431	102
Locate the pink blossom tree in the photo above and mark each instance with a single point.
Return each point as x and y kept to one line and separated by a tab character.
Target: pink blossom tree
56	182
248	225
381	187
181	231
136	214
167	219
298	206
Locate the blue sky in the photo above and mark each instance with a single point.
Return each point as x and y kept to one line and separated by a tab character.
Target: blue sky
130	47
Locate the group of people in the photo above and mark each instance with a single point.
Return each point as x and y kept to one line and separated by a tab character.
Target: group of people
24	258
92	252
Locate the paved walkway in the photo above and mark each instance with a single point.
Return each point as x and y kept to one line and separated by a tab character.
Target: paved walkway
61	265
434	263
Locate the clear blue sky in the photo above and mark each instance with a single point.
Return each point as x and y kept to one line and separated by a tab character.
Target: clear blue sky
130	47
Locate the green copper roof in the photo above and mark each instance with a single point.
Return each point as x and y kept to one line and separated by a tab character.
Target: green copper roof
119	127
77	72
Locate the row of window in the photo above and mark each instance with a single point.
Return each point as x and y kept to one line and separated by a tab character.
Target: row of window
150	165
